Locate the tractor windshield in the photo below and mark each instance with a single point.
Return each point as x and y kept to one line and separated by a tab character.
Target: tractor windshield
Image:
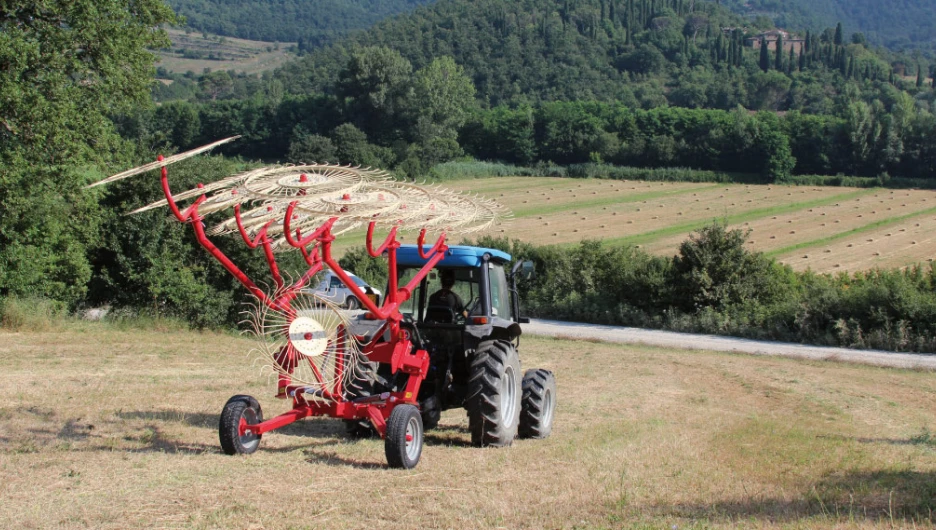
465	289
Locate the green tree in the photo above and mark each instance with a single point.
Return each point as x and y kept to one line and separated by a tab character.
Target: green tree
66	66
443	93
216	84
310	148
352	148
714	269
375	87
764	55
778	54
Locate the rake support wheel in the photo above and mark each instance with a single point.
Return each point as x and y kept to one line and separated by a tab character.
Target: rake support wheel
493	401
239	409
404	439
538	403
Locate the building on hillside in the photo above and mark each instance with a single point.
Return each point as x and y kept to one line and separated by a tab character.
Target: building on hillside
770	37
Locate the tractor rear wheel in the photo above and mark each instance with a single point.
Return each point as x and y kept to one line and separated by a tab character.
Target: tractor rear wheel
494	390
538	404
237	410
404	438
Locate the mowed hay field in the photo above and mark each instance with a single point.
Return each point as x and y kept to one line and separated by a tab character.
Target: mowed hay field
828	229
104	428
239	55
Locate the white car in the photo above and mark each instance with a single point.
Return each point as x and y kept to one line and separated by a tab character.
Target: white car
336	292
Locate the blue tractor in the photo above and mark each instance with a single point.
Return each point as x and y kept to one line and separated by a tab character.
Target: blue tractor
466	314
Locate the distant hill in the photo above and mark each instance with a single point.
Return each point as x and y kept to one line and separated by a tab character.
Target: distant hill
643	53
304	21
906	24
517	50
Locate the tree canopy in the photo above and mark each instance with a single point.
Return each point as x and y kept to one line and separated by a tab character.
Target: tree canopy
65	67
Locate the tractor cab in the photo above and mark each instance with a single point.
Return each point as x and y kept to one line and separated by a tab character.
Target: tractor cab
468	290
466	314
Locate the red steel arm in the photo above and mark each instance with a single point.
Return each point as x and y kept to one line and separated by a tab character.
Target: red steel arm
391	238
261	239
421	240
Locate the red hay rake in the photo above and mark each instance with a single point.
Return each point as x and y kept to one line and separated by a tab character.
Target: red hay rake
303	208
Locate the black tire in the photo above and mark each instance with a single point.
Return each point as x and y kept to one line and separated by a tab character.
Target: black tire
404	441
538	404
352	303
430	418
237	408
494	393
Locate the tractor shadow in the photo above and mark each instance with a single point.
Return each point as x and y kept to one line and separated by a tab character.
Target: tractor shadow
448	435
336	460
904	498
194	419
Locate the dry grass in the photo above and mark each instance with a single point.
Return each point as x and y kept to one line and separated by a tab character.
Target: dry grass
240	55
117	429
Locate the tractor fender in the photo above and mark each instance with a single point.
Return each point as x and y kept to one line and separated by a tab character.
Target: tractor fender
503	329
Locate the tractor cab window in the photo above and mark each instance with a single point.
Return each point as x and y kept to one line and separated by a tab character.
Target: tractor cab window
410	307
500	294
464	284
466	287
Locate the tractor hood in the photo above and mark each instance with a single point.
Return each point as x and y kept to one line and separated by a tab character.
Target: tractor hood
455	256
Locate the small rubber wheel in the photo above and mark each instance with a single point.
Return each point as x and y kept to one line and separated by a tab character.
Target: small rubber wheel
538	403
404	440
238	410
353	303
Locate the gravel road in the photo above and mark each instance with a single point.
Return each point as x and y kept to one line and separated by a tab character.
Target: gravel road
669	339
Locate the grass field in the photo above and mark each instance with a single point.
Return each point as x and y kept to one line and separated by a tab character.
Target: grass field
824	228
111	428
240	55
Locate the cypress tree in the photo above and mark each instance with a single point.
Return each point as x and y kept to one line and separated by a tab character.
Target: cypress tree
838	35
778	55
802	59
791	65
919	82
764	56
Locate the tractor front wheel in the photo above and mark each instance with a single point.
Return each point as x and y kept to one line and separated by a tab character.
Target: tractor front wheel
238	411
493	400
538	404
404	439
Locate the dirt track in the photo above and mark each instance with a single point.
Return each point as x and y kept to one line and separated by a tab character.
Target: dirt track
669	339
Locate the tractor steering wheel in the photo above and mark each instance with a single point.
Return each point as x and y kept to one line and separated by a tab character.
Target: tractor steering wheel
473	305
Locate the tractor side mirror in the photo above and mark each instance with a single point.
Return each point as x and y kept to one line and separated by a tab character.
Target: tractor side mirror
526	270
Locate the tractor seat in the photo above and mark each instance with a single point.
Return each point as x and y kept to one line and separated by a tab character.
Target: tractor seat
440	314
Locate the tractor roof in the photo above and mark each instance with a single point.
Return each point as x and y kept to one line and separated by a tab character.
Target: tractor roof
455	256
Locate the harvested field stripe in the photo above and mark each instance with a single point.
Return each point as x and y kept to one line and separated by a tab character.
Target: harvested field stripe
854	231
543	208
532	184
646	237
